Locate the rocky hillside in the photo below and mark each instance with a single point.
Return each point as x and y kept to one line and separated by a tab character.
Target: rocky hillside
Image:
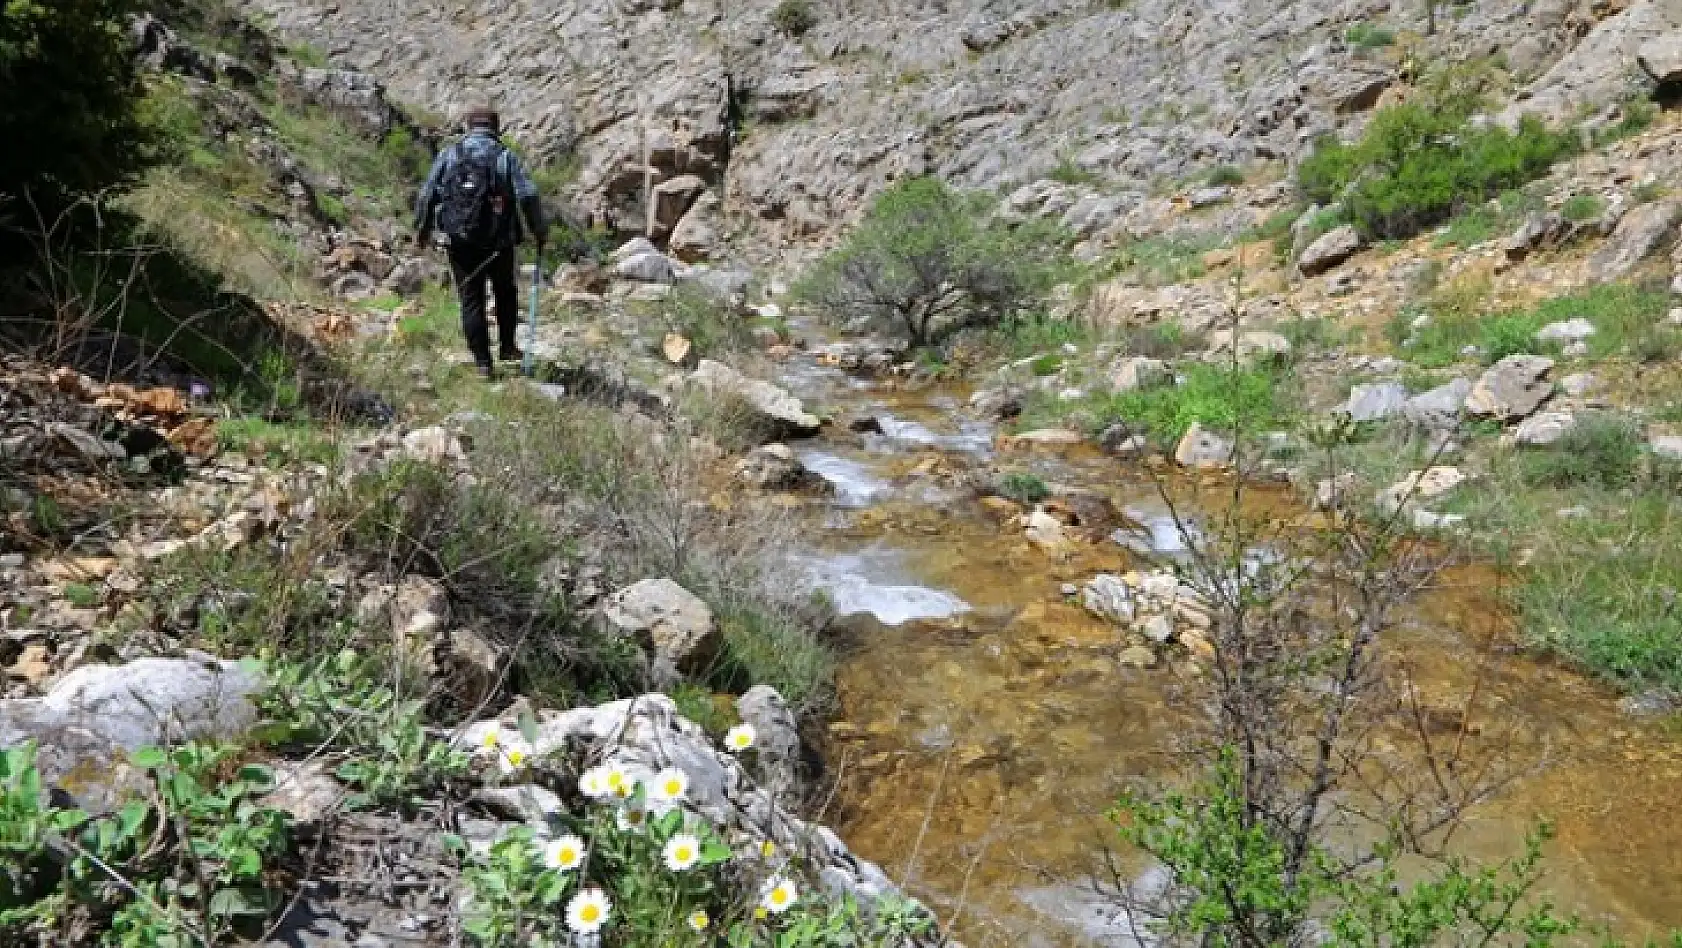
792	120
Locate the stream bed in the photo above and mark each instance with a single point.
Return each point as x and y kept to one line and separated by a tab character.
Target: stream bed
985	725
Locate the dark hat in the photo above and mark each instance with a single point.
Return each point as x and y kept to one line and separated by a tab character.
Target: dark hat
483	116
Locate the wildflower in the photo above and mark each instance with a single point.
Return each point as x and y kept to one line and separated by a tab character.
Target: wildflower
779	895
593	783
767	850
670	786
515	752
564	854
632	819
699	920
682	852
618	781
588	911
492	739
739	738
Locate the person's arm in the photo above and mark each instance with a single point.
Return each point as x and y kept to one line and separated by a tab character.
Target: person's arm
531	203
428	199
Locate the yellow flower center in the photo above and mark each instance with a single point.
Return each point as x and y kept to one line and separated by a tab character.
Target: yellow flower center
568	854
673	788
779	897
699	921
767	850
683	854
590	914
616	780
491	740
516	757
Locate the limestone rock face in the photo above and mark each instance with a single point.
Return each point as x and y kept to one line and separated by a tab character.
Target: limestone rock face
1641	233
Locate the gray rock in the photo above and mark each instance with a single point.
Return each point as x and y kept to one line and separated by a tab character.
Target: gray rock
527	803
1426	521
1440	408
672	623
652	267
1511	389
776	737
1668	447
696	235
307	792
1540	230
1109	597
96	715
1133	372
1641	233
1254	346
1566	331
1579	384
775	409
84	443
772	467
1123	442
1661	57
1158	629
1375	401
1419	486
1544	428
1330	250
1202	449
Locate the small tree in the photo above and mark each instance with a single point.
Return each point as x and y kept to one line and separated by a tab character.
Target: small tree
929	261
794	17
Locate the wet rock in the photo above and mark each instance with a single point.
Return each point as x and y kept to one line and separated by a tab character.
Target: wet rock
96	715
1544	428
1511	389
1202	449
776	737
1440	408
777	411
1641	233
1329	250
1565	331
1375	401
772	467
672	623
1109	597
1135	372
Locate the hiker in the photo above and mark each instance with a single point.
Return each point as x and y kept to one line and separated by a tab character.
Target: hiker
470	198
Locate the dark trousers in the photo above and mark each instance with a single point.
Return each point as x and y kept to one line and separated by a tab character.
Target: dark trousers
471	268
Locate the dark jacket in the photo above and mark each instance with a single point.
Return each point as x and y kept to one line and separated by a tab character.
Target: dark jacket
515	184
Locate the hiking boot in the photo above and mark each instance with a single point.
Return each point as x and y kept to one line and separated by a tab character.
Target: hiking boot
511	353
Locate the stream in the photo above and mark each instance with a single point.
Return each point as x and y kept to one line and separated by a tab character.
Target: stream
985	726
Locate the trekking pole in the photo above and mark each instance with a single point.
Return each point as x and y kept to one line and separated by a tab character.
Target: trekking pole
529	360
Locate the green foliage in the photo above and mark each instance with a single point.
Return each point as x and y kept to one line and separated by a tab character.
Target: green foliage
1024	488
1419	162
1369	36
1580	208
710	324
1249	399
929	261
1159	261
1227	868
1224	175
1636	116
1600	450
1648	192
81	595
764	646
1163	340
67	83
794	17
1022	337
350	703
279	442
186	865
1068	172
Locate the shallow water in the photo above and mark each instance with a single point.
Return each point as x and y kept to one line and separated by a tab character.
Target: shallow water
985	726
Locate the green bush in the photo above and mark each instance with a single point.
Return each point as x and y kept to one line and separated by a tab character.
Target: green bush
794	17
1599	451
1637	116
1224	175
928	261
1248	399
1024	488
1419	162
1158	261
1582	207
68	85
1369	36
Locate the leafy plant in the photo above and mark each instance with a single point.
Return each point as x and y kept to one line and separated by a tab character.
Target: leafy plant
1024	488
1369	36
1579	208
794	17
1216	396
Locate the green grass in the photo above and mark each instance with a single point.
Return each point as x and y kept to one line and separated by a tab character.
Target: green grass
1485	222
1250	399
1024	488
1224	176
1159	261
1602	451
1580	208
1067	172
1369	36
1022	337
1624	317
1163	340
1638	116
277	441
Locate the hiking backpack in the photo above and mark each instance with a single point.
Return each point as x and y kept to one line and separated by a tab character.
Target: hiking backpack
474	199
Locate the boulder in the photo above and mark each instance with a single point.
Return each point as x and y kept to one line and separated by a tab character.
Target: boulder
1642	232
1202	449
1329	250
1565	331
1665	446
1375	401
1544	428
776	738
1418	486
1540	230
1253	346
1440	408
1109	597
772	467
672	199
91	720
672	623
651	267
1511	389
635	247
1134	372
778	412
696	235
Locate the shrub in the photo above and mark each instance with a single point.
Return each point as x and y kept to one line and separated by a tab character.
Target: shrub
68	80
1066	171
705	320
794	17
1369	36
1419	162
1249	399
1636	116
1024	488
1164	340
1582	207
1224	175
1600	451
1159	261
929	261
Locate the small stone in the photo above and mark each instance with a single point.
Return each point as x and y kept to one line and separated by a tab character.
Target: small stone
1159	629
1108	597
1203	449
1566	331
1544	428
1137	656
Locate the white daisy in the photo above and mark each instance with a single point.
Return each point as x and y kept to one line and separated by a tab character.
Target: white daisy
593	783
699	920
670	786
619	781
564	854
682	852
513	753
779	895
588	911
739	738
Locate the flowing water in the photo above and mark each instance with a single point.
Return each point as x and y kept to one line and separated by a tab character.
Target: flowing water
985	724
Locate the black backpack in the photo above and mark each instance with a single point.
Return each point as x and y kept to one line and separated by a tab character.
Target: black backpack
473	200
